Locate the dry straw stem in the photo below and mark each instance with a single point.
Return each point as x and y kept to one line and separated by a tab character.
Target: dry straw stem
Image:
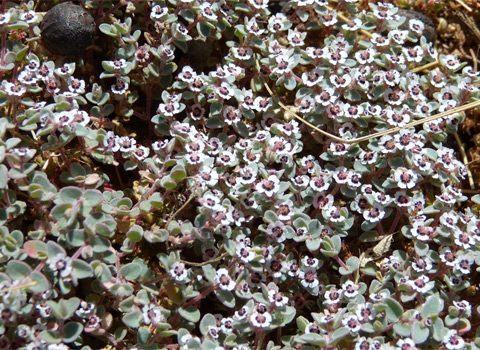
192	196
468	8
21	286
345	19
465	160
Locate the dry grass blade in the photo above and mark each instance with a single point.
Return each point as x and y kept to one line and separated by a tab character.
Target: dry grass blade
465	160
468	8
468	22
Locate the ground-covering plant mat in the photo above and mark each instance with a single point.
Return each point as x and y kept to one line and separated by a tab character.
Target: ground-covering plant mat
239	175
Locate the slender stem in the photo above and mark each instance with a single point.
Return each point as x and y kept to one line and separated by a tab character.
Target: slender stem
342	264
395	222
113	9
380	229
79	251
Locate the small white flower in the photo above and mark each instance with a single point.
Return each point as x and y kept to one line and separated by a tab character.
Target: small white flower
224	281
315	52
352	25
260	320
27	77
76	86
422	284
227	325
350	289
296	38
120	87
313	77
170	108
328	19
5	18
375	213
187	74
413	54
141	152
353	111
338	149
399	36
14	90
319	183
422	264
210	201
225	91
463	263
242	53
275	23
124	144
158	12
450	61
336	57
284	64
453	341
406	343
252	27
152	314
61	264
277	298
405	178
207	11
416	26
80	117
231	115
227	158
66	70
352	323
379	40
276	231
366	312
326	97
63	119
333	296
308	278
365	56
268	186
341	81
334	214
178	271
447	256
323	201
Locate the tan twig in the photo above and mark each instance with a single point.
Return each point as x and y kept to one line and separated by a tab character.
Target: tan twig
472	162
203	263
466	191
192	195
20	286
465	160
475	64
424	67
468	8
346	19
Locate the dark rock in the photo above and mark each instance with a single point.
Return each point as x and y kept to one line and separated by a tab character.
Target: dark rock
429	31
67	29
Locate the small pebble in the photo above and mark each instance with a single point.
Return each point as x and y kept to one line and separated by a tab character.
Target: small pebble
67	29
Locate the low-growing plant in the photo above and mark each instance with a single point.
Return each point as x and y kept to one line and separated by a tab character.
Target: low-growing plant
235	175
